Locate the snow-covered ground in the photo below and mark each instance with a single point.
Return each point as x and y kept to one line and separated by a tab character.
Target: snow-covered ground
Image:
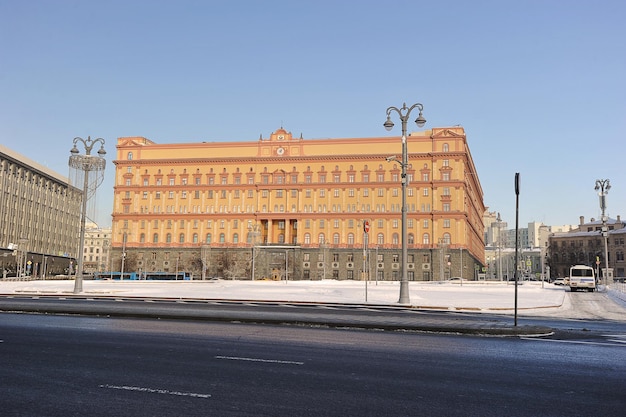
494	297
533	298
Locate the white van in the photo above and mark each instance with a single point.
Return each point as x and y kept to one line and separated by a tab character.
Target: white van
582	277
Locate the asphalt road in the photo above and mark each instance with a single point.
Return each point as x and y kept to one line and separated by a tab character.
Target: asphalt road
82	366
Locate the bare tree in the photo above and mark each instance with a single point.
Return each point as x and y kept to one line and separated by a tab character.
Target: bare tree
234	265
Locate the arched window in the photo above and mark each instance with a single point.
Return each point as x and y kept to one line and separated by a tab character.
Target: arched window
395	239
155	238
336	238
195	238
142	238
222	238
181	238
411	239
168	238
129	156
350	238
208	238
321	238
426	239
380	239
281	238
446	147
236	238
307	238
446	238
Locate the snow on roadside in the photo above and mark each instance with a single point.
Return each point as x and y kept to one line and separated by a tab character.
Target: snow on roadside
493	297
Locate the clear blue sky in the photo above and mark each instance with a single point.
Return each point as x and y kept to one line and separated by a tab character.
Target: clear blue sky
538	85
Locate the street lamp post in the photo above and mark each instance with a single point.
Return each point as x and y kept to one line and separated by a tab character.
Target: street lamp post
85	163
404	113
603	187
124	238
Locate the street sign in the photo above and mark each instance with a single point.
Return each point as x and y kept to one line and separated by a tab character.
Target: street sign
366	226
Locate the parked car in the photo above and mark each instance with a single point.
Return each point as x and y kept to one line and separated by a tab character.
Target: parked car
559	281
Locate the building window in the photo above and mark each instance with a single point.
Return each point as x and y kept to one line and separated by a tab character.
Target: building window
181	238
129	156
222	238
208	238
426	239
380	239
307	238
446	223
155	238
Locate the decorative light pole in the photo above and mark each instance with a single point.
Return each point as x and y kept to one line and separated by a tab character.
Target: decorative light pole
85	163
603	187
404	113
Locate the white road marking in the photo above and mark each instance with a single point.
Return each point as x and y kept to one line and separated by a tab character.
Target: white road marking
236	358
575	342
155	391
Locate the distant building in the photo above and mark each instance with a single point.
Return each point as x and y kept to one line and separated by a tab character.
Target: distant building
96	249
285	206
584	245
39	218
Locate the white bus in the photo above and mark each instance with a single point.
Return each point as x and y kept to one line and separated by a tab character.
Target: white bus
582	277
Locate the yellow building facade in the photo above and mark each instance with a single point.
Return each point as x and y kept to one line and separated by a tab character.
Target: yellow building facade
294	208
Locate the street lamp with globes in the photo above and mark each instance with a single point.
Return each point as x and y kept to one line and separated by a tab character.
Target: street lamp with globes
404	113
85	163
603	187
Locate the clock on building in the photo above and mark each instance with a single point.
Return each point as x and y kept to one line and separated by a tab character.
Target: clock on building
280	151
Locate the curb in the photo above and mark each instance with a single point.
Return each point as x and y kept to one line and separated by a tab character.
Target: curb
191	309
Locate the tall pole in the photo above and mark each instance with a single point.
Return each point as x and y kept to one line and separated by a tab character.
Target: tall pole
404	113
499	247
516	239
78	282
123	256
603	187
85	163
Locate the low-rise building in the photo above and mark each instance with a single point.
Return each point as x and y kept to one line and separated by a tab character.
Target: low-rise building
585	245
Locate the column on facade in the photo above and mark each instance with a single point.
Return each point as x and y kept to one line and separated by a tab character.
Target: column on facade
270	238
